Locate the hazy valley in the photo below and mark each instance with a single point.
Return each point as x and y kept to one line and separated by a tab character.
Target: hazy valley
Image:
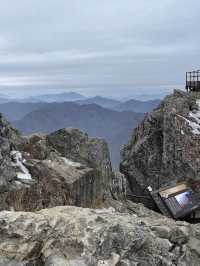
100	117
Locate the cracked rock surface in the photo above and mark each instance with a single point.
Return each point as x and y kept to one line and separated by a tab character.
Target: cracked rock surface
65	167
76	236
9	138
165	147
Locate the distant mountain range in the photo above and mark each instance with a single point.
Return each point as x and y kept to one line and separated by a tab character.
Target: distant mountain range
15	110
137	106
102	101
48	98
97	121
99	116
3	100
60	97
130	105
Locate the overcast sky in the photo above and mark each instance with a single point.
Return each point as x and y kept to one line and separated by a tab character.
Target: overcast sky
107	47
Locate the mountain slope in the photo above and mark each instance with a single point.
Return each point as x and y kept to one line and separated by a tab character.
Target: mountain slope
102	101
137	106
3	100
14	110
113	126
130	105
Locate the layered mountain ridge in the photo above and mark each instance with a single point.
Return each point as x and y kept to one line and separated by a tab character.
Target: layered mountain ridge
97	121
101	117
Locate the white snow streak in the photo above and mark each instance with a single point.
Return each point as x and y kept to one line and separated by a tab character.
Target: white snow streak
18	162
70	163
195	115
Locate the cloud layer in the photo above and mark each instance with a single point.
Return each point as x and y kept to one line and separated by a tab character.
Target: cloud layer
97	47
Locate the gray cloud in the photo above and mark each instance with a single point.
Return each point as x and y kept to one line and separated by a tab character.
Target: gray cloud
94	46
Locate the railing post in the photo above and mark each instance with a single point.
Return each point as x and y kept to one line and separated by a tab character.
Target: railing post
186	85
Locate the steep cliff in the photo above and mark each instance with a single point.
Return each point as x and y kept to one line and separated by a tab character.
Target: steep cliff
164	148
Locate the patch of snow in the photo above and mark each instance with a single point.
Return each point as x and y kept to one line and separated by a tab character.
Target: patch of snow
150	189
182	132
195	115
70	163
198	102
18	162
195	127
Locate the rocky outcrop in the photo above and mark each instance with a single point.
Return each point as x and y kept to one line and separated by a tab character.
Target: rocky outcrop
75	236
72	144
165	147
57	181
9	138
77	146
63	168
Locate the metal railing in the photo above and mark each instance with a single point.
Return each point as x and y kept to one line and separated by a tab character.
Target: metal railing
193	80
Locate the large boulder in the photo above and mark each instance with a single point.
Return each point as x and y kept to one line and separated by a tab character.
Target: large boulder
63	168
57	181
165	147
75	236
77	146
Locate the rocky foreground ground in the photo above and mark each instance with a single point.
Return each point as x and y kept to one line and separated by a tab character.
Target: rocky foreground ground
74	236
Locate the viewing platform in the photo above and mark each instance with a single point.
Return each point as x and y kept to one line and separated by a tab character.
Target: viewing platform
193	81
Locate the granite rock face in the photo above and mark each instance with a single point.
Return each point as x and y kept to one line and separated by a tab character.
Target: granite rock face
72	144
165	147
63	168
57	181
77	146
9	138
79	237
